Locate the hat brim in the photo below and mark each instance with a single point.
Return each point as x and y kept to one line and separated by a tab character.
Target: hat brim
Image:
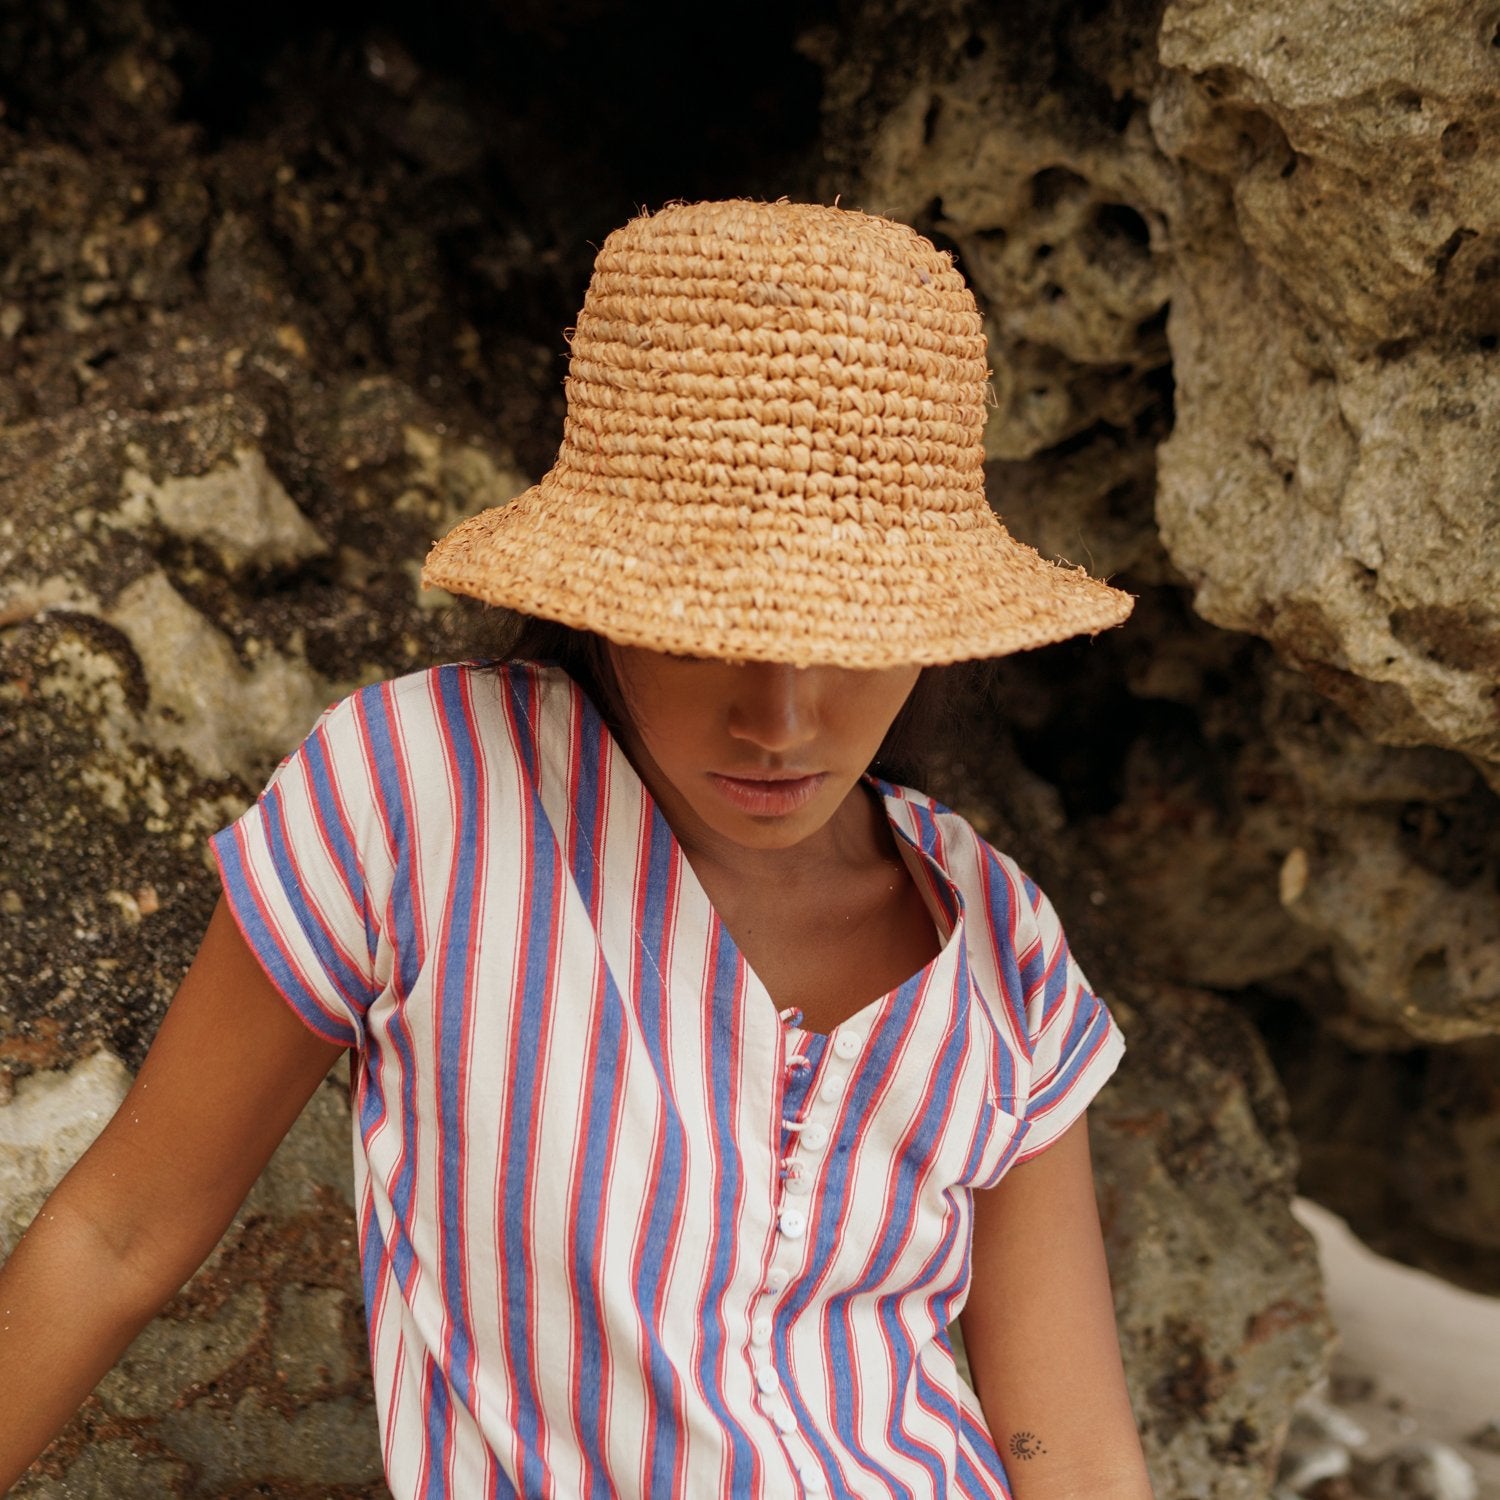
943	594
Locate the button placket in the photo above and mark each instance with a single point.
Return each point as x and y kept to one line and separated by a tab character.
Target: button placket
810	1136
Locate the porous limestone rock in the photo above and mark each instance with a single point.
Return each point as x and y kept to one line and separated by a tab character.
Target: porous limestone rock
217	1388
1331	481
1401	1144
238	508
1395	864
1300	202
1217	1289
300	1444
946	117
112	1469
310	1343
150	681
45	1125
173	1355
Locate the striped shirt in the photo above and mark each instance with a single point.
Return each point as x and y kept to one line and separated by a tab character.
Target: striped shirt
625	1229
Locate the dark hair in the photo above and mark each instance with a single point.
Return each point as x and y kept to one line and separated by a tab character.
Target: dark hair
920	731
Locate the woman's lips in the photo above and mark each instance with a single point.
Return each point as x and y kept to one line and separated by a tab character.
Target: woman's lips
766	796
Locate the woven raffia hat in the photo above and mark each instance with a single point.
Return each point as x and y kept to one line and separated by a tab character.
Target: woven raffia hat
772	452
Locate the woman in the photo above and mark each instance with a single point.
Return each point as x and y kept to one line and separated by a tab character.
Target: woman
701	1077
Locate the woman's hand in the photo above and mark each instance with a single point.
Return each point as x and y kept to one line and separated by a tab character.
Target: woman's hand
228	1073
1039	1328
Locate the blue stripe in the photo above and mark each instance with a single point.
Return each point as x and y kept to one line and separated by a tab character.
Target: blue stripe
584	1240
1090	1022
372	1110
726	1027
452	1004
1033	972
666	1192
970	1482
986	1452
437	1441
928	843
1014	985
583	856
320	773
941	1401
522	1102
521	687
1057	982
352	986
371	1257
584	1243
241	897
374	711
1037	969
909	1170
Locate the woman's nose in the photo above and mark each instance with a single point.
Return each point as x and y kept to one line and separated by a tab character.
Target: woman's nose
775	706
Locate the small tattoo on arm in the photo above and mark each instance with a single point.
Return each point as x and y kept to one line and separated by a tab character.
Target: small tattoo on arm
1025	1445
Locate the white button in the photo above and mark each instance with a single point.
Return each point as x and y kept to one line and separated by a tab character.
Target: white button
793	1223
798	1182
760	1331
833	1087
814	1137
776	1278
767	1380
846	1045
784	1417
813	1480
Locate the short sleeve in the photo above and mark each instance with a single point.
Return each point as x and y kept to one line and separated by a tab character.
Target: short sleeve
1075	1043
296	879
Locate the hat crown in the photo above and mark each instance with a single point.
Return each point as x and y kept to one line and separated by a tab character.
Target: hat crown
777	354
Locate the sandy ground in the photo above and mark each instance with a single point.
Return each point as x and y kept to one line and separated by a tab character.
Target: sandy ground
1430	1350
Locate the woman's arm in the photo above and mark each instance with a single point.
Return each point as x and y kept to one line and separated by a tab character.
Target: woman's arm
1039	1328
228	1073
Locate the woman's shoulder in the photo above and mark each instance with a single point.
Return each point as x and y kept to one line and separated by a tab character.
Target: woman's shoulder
942	833
454	690
987	878
446	710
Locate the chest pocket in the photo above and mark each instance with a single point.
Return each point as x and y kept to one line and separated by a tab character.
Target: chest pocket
926	1104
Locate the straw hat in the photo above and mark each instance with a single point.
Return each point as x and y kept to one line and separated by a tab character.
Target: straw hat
772	452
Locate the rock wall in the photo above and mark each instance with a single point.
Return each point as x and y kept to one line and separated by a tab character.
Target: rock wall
1240	277
279	301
